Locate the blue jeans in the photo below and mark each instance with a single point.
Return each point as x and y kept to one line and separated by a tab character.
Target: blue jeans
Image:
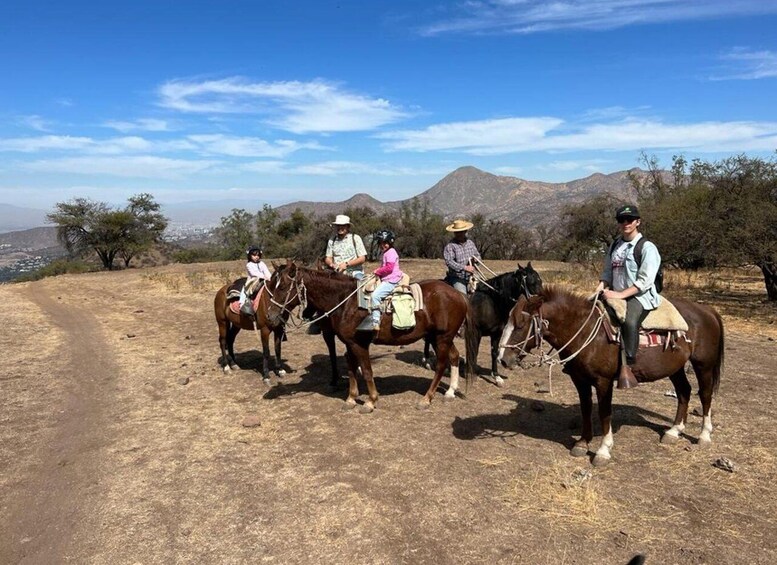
457	283
381	292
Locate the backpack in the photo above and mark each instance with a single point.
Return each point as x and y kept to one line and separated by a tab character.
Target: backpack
659	280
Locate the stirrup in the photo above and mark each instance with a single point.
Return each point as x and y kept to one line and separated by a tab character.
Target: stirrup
626	378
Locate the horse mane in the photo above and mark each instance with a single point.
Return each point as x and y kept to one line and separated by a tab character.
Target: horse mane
341	281
565	295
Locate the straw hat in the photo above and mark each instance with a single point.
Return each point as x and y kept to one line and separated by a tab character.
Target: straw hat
342	220
460	225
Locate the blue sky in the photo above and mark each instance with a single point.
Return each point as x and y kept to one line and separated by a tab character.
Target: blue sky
280	101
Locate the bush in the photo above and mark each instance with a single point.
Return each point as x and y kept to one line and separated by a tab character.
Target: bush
59	267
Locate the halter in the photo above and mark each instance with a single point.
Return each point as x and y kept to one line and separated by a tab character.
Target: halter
301	295
539	325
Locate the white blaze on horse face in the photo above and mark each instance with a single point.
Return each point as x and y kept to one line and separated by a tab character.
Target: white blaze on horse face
506	333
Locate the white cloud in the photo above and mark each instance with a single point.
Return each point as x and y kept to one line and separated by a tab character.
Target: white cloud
535	16
36	122
140	166
477	137
746	64
249	146
332	168
45	143
143	124
517	135
571	165
298	107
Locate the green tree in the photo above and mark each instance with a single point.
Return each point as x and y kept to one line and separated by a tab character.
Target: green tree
587	229
236	233
85	225
146	228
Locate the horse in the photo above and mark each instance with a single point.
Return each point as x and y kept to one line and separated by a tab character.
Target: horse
230	324
566	321
489	307
444	312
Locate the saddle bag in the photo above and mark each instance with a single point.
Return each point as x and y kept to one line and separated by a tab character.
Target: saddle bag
403	307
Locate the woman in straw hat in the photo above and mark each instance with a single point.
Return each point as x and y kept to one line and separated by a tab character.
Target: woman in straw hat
458	255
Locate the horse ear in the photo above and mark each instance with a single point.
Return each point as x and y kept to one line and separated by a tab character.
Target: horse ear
274	265
519	267
528	265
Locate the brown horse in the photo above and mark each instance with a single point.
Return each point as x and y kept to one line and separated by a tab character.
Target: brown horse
444	311
231	323
564	320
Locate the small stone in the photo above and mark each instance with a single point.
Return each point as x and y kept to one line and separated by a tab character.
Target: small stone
770	338
251	421
130	336
138	311
537	406
696	412
184	364
725	464
183	381
187	337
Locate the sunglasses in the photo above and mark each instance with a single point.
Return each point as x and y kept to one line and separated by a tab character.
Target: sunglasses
626	220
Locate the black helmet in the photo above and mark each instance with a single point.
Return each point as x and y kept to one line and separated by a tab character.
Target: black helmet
253	249
384	235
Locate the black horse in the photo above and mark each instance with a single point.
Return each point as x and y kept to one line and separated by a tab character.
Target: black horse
489	308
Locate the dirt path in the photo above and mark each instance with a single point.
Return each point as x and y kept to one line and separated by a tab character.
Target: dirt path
49	515
121	442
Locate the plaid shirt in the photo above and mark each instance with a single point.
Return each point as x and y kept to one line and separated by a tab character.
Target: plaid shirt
457	256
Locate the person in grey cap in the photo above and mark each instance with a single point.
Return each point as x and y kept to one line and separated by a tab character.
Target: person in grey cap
631	278
345	252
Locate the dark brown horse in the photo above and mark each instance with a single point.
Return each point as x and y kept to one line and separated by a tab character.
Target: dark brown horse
444	311
564	320
231	323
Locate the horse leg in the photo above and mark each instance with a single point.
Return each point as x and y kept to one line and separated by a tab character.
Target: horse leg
498	380
604	400
353	385
264	334
584	392
445	350
278	339
453	359
426	361
329	338
704	376
232	332
683	389
363	361
223	330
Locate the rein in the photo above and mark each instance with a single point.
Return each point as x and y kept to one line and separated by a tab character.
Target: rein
537	330
480	278
302	294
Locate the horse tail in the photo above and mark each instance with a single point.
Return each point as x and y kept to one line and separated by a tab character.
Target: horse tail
471	340
717	371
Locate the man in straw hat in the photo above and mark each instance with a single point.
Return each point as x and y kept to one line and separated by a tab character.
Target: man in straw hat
458	255
345	252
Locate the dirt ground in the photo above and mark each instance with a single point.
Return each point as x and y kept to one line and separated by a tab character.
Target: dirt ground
106	456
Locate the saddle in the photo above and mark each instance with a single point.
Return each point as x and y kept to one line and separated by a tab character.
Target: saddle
661	327
251	289
403	302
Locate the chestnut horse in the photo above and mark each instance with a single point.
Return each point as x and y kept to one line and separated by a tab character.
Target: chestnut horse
565	321
444	311
231	323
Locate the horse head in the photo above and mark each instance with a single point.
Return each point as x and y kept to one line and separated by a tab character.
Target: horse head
531	281
523	331
285	292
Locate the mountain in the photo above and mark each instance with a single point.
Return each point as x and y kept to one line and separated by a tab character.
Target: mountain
14	218
468	191
360	200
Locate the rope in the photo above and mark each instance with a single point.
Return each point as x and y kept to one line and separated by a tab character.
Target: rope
326	314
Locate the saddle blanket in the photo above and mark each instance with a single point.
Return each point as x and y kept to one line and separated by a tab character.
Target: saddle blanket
234	305
665	317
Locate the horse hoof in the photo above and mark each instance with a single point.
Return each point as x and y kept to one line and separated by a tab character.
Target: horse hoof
448	398
427	366
499	381
281	373
225	368
600	461
348	406
579	451
705	442
366	409
423	406
669	439
266	382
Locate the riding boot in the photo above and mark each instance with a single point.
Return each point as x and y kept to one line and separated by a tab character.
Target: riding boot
626	378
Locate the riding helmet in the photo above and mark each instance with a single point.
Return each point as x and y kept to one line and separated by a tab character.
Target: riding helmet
253	249
384	235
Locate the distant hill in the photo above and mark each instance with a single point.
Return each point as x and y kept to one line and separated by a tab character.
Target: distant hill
468	190
32	239
14	218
